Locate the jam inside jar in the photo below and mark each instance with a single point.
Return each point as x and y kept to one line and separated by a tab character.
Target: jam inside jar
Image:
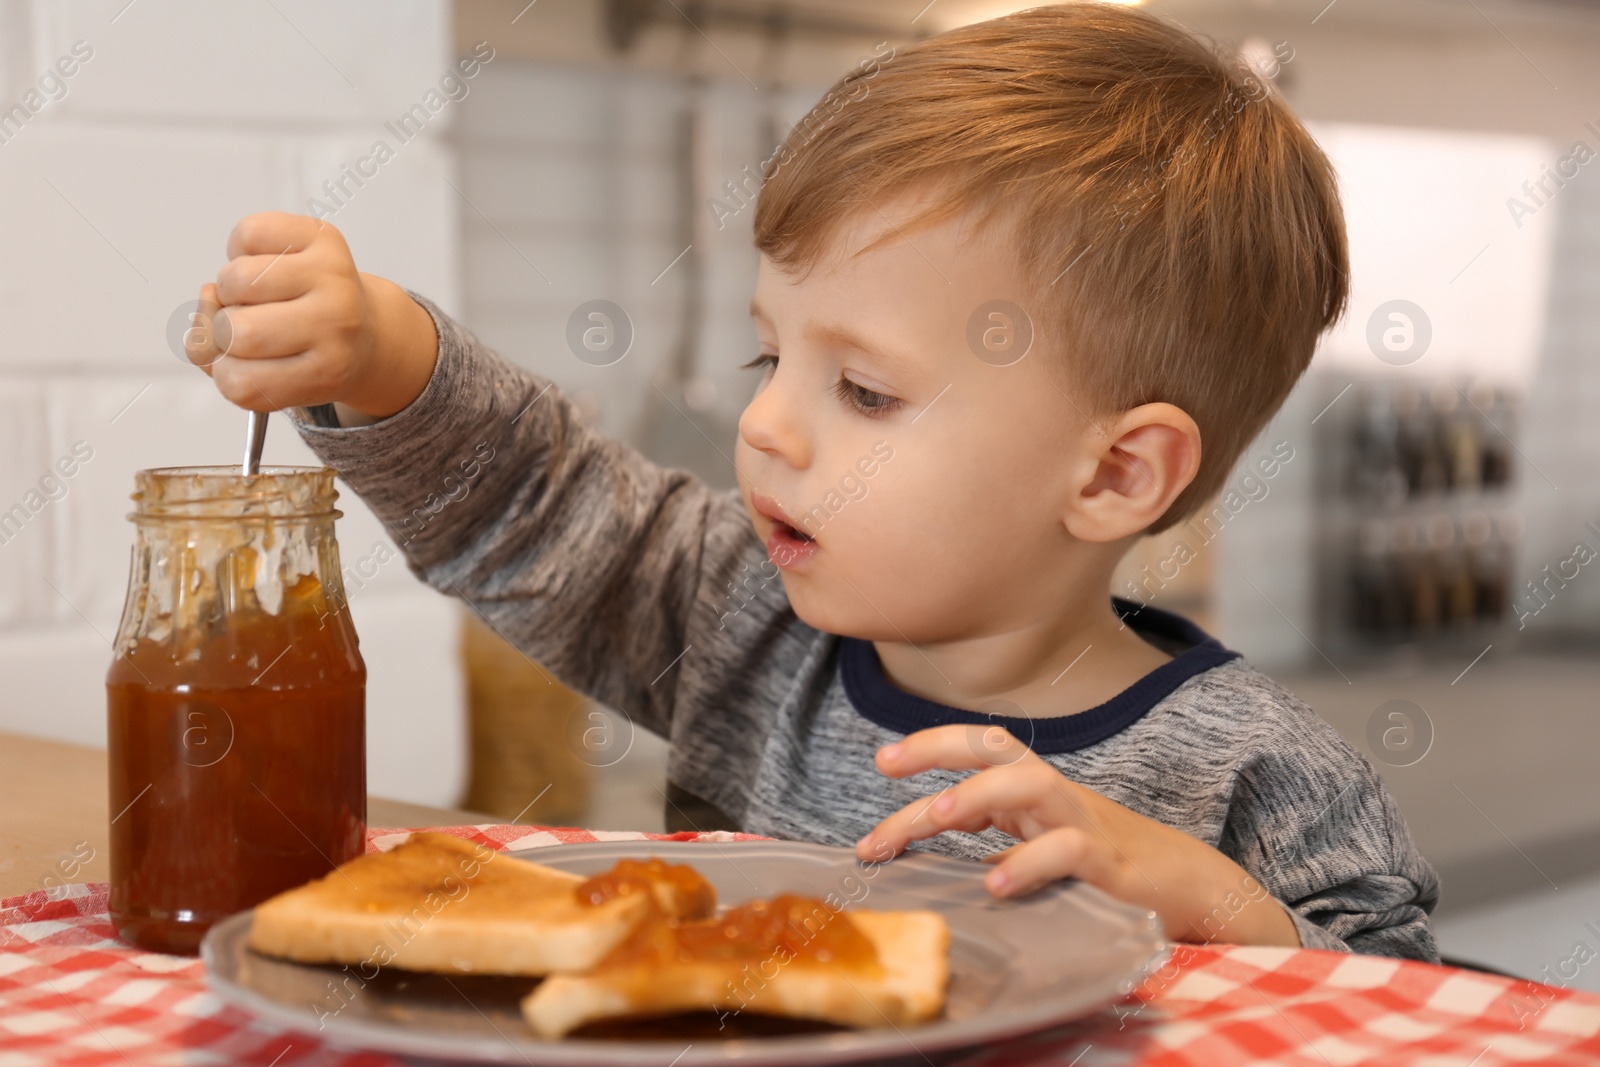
236	701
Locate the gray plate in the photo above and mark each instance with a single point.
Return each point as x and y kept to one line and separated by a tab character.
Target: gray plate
1015	966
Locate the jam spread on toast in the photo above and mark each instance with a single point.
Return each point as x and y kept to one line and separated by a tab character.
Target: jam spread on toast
786	929
691	894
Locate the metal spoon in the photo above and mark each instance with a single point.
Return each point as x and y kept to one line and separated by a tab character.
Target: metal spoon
255	438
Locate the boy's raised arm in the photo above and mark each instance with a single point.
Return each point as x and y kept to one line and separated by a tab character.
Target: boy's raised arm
580	552
572	546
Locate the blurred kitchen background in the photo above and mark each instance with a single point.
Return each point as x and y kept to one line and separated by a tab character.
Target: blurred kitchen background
1418	571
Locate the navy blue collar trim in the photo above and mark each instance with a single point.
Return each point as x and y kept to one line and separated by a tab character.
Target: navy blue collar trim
1192	649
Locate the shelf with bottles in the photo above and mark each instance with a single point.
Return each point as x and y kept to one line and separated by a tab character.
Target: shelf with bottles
1411	441
1428	575
1417	523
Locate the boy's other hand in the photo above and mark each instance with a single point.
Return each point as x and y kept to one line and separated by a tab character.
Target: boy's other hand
1069	831
293	323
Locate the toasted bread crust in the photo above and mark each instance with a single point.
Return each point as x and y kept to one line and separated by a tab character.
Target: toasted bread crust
438	903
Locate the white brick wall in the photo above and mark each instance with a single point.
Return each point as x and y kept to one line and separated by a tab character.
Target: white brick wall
116	202
546	152
576	172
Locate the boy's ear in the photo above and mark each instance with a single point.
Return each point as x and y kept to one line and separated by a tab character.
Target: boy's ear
1138	464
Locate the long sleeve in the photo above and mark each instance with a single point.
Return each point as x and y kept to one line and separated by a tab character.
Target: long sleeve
1317	827
579	551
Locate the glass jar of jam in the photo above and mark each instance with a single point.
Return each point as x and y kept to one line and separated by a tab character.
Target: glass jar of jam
235	701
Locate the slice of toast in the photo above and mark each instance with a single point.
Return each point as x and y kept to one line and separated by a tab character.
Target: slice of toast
438	903
905	985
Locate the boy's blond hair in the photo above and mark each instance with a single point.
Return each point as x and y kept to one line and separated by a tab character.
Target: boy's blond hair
1181	230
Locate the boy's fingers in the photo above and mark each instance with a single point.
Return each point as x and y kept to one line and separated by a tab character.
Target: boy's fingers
973	805
267	384
265	331
1065	852
899	829
265	279
1031	796
270	232
956	747
199	338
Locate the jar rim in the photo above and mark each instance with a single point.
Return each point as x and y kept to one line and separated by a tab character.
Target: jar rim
232	469
220	492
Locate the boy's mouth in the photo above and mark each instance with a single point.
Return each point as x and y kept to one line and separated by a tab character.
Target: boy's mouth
787	544
792	531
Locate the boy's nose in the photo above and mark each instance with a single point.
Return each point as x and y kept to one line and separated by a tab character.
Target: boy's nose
774	424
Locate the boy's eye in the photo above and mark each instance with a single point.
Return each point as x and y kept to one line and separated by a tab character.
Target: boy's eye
864	400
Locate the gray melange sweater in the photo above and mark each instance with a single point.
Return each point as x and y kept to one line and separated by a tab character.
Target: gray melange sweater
648	591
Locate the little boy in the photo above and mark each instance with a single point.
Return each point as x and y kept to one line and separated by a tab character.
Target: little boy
1023	298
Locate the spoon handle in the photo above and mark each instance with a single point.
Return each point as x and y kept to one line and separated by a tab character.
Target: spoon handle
255	438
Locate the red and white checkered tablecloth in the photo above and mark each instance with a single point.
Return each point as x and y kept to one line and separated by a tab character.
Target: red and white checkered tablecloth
72	995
